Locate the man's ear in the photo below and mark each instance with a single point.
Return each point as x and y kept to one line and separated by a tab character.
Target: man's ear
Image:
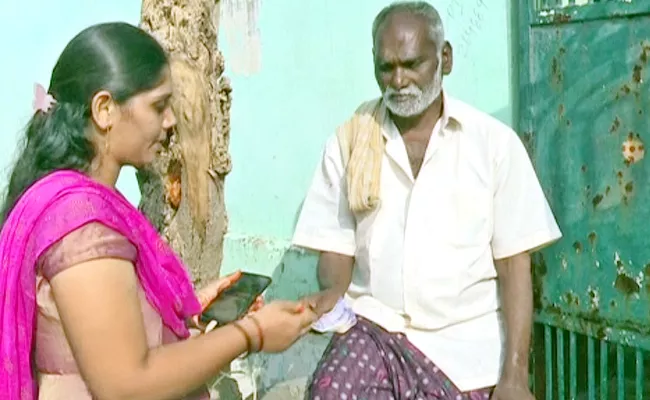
447	58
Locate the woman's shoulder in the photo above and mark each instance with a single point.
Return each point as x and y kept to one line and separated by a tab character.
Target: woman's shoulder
89	242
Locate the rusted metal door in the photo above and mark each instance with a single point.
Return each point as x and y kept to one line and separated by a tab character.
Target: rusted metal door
584	115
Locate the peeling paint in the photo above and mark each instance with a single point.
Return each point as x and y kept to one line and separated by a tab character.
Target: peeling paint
618	262
594	297
240	27
571	298
577	246
624	282
633	149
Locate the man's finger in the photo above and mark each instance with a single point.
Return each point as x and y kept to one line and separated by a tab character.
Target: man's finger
305	331
290	306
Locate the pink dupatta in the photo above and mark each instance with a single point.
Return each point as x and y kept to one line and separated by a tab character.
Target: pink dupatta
50	209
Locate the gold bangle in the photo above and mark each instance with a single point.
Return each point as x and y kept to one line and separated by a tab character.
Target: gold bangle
260	347
243	332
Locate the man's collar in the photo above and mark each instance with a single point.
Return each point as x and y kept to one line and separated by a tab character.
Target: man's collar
452	112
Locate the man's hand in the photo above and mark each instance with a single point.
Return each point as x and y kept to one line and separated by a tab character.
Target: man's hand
517	390
321	302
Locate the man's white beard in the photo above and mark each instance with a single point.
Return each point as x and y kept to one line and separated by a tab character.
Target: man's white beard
415	100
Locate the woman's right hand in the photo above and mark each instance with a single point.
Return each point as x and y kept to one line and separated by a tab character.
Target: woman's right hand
281	323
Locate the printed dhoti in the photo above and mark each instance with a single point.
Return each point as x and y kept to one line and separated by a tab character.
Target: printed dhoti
369	363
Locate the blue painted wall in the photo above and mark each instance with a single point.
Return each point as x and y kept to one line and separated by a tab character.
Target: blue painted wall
32	35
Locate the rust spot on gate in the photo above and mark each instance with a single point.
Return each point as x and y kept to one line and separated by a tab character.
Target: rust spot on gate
528	138
592	238
615	125
577	246
556	72
596	200
636	74
626	284
645	51
539	271
571	299
560	18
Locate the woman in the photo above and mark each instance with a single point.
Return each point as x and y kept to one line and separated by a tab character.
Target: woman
94	302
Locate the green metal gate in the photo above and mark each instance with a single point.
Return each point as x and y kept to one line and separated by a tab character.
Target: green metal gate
584	114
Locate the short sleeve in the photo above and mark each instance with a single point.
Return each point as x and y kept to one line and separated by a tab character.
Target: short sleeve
89	242
523	220
326	223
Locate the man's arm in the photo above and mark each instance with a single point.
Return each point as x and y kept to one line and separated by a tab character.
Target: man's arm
334	277
523	223
335	272
515	284
327	225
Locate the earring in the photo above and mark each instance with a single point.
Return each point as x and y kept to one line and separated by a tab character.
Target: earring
106	142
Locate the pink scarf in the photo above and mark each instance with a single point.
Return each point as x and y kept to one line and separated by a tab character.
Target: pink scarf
50	209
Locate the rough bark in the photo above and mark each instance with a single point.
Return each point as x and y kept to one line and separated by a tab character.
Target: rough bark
182	192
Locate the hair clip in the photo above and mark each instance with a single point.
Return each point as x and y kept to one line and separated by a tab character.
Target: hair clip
43	101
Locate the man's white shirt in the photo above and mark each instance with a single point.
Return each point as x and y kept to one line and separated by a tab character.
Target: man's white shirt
424	259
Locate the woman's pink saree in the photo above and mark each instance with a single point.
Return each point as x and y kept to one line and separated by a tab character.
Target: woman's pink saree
51	208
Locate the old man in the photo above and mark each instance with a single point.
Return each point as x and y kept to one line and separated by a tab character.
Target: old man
424	211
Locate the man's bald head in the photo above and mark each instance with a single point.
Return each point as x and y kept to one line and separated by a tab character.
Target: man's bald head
420	9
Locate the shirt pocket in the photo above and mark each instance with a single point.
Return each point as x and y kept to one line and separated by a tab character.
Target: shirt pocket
471	216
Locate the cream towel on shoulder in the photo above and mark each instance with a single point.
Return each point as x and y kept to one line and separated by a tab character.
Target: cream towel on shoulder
362	149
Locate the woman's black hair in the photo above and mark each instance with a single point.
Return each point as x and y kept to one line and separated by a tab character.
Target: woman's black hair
117	57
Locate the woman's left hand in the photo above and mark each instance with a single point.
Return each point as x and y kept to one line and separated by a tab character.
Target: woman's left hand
259	303
209	293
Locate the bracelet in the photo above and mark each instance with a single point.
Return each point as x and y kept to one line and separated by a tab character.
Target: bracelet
243	332
260	347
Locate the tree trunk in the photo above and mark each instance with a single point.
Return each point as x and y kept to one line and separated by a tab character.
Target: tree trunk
182	192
